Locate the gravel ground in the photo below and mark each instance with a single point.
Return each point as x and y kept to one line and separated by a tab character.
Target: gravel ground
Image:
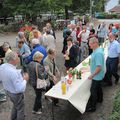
66	111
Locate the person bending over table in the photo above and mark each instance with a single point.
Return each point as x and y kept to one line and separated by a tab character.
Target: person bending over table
71	54
53	71
97	74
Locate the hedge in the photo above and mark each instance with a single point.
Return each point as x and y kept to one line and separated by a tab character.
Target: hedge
115	115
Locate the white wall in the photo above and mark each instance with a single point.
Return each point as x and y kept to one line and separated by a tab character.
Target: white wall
111	4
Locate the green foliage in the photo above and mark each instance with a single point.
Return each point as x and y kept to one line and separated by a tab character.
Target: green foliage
98	6
108	16
115	115
35	7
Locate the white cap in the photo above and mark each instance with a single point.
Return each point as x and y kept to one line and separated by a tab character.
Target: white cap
35	41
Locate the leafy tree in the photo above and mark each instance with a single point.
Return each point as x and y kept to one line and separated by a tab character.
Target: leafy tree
33	8
98	5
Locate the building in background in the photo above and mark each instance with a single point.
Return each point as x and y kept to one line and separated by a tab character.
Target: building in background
115	9
110	4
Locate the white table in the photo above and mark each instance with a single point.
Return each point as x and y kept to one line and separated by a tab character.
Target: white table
79	92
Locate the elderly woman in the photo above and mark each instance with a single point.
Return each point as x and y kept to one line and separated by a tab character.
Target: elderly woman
21	36
37	57
6	48
53	71
23	51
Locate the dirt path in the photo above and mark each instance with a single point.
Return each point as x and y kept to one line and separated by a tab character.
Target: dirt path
66	111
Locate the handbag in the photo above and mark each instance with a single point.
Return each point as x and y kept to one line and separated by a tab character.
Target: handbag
41	83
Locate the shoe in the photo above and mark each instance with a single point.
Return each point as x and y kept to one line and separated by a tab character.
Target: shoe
91	110
37	112
116	81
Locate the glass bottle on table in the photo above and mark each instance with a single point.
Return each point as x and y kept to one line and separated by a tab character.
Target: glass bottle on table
63	84
63	87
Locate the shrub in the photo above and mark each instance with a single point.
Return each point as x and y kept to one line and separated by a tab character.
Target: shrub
115	115
108	16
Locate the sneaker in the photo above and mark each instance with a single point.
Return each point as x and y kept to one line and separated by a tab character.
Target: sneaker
37	112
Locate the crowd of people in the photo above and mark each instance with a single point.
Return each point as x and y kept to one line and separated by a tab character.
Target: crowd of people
39	51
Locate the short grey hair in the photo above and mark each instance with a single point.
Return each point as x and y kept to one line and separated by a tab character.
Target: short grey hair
93	39
37	55
11	56
20	34
6	45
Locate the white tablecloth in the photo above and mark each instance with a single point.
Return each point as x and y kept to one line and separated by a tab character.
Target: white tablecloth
79	92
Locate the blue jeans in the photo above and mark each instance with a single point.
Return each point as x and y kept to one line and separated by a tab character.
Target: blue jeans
112	68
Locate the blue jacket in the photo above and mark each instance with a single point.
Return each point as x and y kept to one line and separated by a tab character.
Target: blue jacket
39	48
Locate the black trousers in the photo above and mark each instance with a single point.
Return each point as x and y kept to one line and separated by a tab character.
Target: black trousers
96	93
38	101
112	68
55	100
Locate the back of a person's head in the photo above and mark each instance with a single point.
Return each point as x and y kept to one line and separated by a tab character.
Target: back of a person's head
68	32
35	41
11	56
94	39
35	31
20	34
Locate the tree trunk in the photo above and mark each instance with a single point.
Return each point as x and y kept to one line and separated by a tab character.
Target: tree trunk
66	12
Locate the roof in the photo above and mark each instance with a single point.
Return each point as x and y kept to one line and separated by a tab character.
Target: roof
115	9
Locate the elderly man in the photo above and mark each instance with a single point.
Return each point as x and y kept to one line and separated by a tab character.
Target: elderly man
97	74
14	84
112	60
37	47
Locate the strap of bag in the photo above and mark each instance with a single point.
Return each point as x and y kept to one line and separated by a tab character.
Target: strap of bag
36	70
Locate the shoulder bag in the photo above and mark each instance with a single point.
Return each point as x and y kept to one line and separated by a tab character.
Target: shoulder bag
41	83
